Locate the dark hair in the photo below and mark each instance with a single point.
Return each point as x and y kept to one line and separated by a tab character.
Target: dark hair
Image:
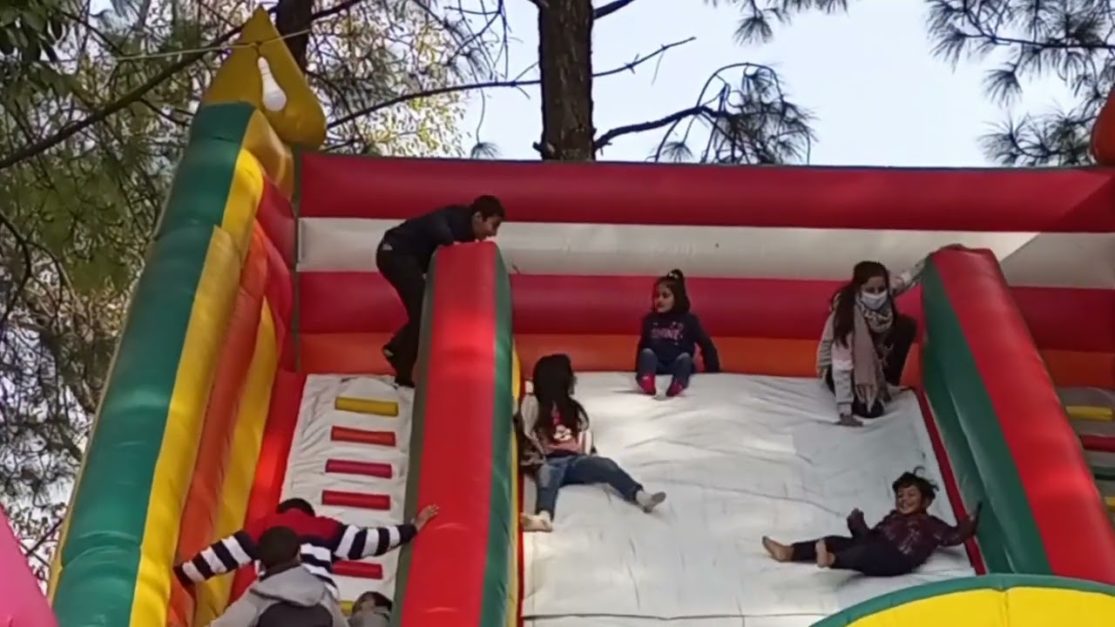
674	281
301	505
278	546
372	598
488	206
553	381
927	488
843	321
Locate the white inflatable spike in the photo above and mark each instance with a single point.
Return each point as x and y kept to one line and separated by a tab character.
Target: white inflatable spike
274	98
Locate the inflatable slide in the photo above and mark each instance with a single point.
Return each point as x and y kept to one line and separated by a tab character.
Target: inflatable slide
249	371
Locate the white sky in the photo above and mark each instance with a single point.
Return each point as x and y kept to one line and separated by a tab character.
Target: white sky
879	96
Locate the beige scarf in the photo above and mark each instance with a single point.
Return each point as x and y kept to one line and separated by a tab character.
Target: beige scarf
867	368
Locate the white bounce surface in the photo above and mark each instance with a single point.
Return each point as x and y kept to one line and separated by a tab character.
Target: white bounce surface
739	457
312	447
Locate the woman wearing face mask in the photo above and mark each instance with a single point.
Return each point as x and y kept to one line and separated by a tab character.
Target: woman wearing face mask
866	340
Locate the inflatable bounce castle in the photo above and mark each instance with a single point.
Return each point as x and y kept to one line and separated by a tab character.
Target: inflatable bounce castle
249	371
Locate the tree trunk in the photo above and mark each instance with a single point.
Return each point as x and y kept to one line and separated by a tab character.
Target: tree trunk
294	16
565	62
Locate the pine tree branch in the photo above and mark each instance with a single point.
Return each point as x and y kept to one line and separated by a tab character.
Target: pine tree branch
517	83
609	8
606	138
136	94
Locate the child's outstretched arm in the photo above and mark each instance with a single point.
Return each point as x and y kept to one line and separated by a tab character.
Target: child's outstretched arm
355	542
223	556
708	349
947	535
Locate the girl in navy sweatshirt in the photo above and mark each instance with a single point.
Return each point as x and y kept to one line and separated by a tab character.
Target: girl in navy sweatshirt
670	336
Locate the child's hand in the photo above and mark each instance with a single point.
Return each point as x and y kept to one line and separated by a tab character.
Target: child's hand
426	515
968	527
856	516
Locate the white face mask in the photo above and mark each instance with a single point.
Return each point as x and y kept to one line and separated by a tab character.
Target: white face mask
873	301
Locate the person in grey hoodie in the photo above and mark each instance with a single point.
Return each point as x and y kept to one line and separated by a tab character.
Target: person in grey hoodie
286	594
371	609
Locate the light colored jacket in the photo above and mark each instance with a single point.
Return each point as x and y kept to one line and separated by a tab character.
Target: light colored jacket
296	586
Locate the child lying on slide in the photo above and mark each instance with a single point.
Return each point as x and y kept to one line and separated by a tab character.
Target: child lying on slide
556	435
900	543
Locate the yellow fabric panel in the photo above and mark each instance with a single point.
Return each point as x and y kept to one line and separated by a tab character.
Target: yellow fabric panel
275	157
212	596
301	122
1015	607
244	196
513	588
216	293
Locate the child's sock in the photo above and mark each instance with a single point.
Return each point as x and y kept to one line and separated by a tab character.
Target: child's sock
537	522
646	384
675	388
649	501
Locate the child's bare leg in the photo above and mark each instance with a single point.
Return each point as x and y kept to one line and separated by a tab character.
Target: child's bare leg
780	552
824	558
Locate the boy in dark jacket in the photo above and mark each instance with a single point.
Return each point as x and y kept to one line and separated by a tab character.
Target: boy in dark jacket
403	258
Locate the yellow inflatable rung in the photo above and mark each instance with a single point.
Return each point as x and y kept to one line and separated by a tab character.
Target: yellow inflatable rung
1087	412
1110	501
366	406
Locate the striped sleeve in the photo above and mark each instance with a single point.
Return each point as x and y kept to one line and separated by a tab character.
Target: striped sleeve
359	542
225	555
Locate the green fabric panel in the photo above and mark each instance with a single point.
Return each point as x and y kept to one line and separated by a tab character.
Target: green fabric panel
948	351
497	577
990	533
100	558
950	586
417	440
206	171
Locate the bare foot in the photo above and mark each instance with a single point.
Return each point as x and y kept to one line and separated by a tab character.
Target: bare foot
780	552
824	558
536	522
849	421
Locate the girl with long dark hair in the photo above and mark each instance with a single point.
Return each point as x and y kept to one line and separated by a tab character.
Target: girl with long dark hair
556	430
866	340
670	337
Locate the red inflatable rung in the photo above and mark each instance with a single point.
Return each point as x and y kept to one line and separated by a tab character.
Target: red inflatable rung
362	436
360	570
368	469
336	498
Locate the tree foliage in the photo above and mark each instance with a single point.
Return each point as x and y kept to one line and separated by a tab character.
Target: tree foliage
93	117
1064	40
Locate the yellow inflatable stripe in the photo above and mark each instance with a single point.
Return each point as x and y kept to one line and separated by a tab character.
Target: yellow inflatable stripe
216	293
243	201
212	596
1085	412
1110	502
275	157
1015	607
513	581
366	406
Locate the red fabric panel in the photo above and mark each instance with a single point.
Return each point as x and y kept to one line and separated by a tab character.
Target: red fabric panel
1063	200
363	302
341	302
457	392
1047	452
277	220
278	435
1069	319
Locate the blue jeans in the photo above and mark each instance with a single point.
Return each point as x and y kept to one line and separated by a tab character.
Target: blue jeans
681	368
580	470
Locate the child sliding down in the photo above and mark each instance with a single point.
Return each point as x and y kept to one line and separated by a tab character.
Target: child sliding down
900	543
670	336
558	443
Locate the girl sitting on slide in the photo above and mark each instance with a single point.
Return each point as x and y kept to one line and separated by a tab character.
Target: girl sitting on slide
556	432
866	340
900	543
669	338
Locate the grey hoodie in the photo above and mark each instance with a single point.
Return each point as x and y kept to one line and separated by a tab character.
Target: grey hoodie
296	586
